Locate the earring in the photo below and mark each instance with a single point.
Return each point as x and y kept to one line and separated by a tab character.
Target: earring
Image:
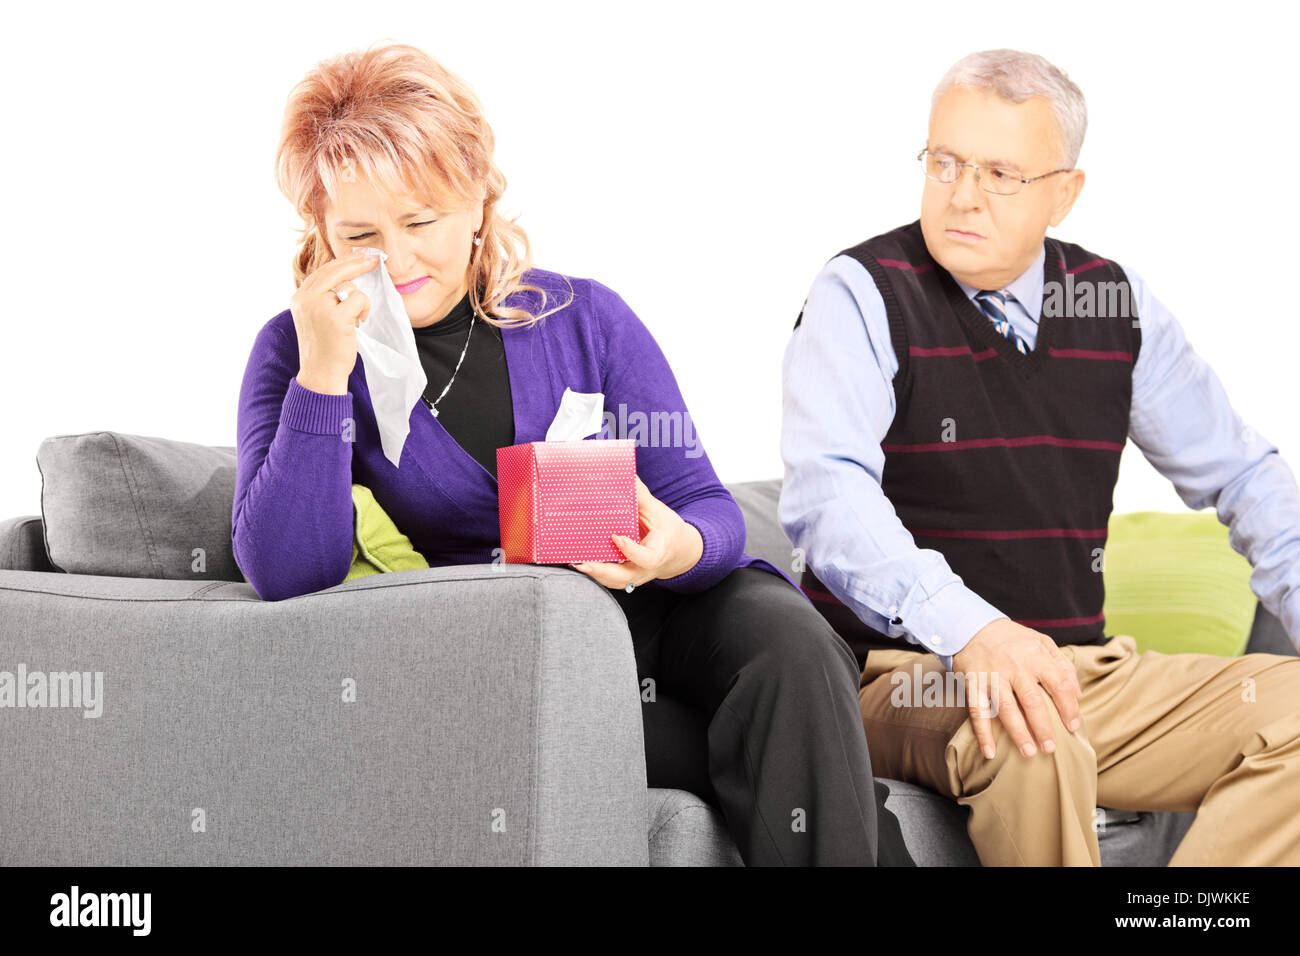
478	241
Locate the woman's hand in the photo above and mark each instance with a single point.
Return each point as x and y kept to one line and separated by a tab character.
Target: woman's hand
326	327
669	546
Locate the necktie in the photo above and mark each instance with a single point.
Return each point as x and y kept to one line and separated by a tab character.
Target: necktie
992	304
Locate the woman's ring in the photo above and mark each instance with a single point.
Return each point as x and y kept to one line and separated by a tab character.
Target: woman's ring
340	294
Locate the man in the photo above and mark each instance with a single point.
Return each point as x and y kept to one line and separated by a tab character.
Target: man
951	439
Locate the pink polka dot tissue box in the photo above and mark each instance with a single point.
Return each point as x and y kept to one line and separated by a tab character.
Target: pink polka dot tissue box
560	501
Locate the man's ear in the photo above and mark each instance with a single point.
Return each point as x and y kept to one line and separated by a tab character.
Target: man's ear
1067	192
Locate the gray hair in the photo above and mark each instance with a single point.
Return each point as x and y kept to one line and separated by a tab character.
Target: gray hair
1016	76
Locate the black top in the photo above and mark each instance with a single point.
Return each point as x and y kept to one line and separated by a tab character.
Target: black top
477	410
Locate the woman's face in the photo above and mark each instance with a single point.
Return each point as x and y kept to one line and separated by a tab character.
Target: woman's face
428	248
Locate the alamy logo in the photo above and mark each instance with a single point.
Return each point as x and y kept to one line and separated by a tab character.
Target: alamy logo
1087	300
933	688
102	909
54	689
654	429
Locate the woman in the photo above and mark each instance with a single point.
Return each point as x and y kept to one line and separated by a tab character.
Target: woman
386	149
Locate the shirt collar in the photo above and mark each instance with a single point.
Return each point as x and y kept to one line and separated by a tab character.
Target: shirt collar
1026	287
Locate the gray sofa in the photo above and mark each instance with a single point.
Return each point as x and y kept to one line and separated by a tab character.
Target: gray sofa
484	714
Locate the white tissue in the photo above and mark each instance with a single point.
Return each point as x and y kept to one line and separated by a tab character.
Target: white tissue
387	345
580	414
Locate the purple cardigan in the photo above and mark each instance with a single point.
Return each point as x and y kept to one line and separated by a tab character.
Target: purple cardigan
292	520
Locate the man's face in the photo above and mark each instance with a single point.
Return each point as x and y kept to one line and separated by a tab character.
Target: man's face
986	240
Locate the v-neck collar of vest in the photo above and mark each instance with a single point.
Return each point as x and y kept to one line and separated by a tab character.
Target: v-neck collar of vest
1028	363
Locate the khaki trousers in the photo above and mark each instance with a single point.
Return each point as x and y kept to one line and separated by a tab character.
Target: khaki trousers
1217	735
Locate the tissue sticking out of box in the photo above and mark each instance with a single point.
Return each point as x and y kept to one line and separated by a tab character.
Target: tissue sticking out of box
580	415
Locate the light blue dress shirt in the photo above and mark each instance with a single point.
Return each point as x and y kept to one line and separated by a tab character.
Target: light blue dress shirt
837	375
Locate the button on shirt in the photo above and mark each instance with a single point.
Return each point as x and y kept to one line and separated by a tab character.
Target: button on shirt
838	372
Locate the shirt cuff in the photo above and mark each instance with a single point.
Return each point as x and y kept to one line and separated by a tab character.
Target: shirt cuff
314	412
943	622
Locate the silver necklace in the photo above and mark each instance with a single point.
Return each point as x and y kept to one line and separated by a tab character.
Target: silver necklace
433	405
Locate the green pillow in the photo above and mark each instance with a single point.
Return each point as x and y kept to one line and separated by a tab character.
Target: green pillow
377	545
1174	583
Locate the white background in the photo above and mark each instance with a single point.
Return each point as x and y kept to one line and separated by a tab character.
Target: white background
702	159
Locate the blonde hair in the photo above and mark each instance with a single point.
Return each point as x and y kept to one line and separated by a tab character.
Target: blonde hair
397	117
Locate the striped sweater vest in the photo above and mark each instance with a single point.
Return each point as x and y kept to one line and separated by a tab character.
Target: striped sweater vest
1004	463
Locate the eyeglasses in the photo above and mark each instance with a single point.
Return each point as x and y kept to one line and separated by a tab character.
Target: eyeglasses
997	180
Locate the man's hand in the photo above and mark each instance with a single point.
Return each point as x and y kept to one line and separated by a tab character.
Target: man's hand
1024	663
669	546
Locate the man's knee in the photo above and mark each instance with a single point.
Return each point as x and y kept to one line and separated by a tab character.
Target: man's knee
1073	759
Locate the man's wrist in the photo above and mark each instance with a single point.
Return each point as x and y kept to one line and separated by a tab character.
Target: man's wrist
946	620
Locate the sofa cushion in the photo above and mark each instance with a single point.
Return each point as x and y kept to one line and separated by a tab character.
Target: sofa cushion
764	537
686	831
1148	838
934	826
1174	582
22	545
1268	636
138	507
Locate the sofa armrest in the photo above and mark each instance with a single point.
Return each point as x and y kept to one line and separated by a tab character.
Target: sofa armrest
477	714
22	545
